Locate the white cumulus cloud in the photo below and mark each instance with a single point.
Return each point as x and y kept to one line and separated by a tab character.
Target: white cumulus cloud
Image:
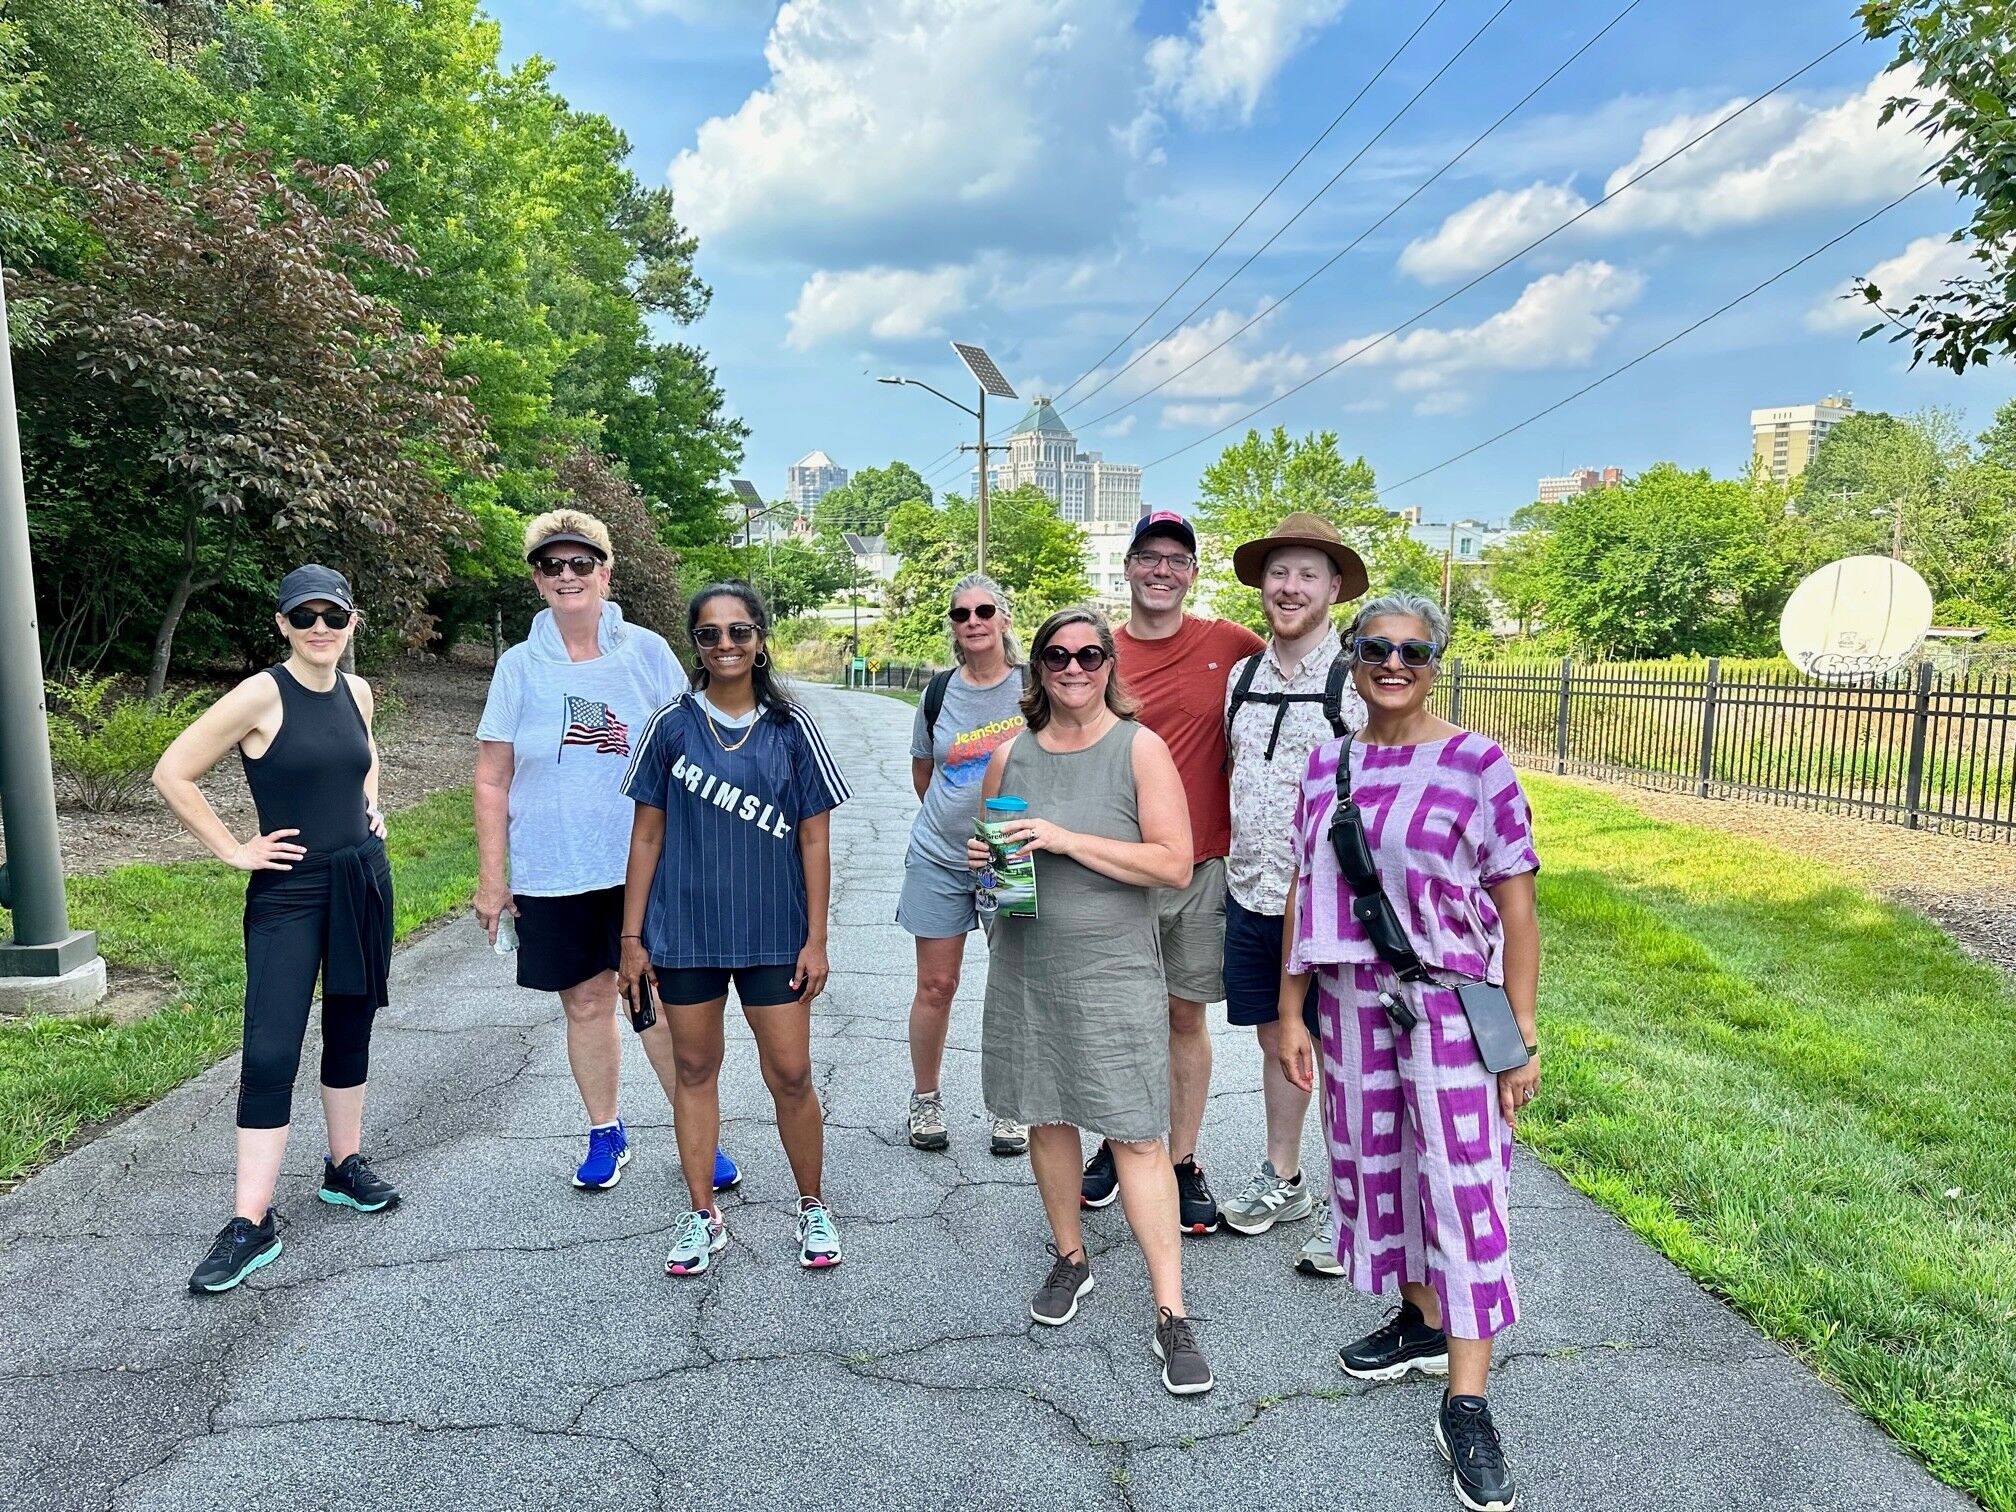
1488	230
940	127
1179	415
891	304
1231	53
1919	269
1227	373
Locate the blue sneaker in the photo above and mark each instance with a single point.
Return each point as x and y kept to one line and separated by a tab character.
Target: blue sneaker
726	1172
608	1153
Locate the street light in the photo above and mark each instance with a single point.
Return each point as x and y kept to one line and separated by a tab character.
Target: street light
990	381
754	509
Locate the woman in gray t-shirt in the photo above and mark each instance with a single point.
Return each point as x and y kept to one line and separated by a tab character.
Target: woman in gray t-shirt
981	709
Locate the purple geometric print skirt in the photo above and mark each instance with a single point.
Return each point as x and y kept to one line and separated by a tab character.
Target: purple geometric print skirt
1420	1155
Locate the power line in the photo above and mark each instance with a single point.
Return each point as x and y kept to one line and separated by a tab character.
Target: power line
1335	121
1714	314
1495	268
1356	241
1307	204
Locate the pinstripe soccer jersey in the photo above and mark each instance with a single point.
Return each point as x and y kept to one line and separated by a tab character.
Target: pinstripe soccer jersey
730	887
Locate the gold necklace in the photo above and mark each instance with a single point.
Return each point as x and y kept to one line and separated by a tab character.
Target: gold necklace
707	713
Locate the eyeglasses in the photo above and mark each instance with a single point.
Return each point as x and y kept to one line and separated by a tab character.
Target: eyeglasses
335	619
741	632
1375	650
962	614
1089	658
583	566
1175	561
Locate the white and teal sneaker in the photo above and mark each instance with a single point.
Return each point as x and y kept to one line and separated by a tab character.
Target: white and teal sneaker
701	1236
1269	1199
818	1239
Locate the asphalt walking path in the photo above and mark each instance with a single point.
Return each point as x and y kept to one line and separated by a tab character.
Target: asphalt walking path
503	1341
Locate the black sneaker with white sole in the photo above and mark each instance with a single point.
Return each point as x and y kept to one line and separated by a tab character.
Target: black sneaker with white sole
1468	1439
1070	1280
242	1246
1101	1183
1402	1343
1185	1371
1196	1208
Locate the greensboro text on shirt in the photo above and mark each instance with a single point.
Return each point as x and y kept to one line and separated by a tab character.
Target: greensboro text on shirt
709	788
966	761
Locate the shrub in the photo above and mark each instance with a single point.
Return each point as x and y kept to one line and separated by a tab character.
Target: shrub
103	744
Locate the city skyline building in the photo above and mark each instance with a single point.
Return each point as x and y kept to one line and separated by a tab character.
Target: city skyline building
811	478
1042	451
1582	481
1784	441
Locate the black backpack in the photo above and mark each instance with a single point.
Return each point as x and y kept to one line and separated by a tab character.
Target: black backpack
1332	699
934	700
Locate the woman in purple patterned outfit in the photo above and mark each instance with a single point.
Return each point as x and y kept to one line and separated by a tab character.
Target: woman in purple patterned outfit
1419	1132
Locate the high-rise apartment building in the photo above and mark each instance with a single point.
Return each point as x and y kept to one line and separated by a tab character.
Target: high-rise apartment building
1785	441
1581	481
1041	450
812	477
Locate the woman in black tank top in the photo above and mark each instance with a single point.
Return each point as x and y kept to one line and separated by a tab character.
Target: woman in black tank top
318	904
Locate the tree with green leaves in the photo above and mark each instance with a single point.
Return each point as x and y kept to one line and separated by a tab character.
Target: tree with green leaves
1963	104
1872	473
865	501
1031	551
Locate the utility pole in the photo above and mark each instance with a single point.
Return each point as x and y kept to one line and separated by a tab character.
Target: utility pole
1897	530
988	377
47	963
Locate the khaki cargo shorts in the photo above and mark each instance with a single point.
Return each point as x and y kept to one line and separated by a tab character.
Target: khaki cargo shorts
1193	934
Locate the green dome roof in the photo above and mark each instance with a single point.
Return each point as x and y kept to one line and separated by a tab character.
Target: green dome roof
1041	417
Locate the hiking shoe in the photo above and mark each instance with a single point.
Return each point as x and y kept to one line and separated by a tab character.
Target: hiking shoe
242	1247
608	1153
1197	1209
818	1239
1402	1343
1268	1199
1185	1371
1102	1183
1319	1250
700	1237
1056	1300
927	1121
726	1172
1469	1441
1008	1138
353	1184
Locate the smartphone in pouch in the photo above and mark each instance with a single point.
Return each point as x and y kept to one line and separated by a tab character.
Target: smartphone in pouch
1493	1025
644	1008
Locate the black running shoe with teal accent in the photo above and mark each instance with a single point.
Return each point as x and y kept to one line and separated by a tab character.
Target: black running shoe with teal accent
353	1184
242	1247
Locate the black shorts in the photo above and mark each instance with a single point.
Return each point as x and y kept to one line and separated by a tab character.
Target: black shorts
564	941
1253	968
756	986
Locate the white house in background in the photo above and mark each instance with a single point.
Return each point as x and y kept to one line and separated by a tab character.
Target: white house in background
811	478
1041	450
872	557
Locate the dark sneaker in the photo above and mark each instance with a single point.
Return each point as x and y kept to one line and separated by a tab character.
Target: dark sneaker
242	1247
1197	1209
354	1184
1402	1343
1056	1300
1185	1371
1102	1183
1469	1441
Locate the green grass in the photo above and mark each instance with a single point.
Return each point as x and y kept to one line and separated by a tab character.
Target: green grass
910	696
184	921
1802	1095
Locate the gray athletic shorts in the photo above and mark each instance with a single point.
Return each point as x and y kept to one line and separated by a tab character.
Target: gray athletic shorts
937	900
1193	934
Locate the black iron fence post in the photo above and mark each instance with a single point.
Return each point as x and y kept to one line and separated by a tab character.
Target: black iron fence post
1709	698
1561	717
1456	691
1921	709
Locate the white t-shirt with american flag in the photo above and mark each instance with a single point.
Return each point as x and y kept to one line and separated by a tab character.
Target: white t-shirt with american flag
573	727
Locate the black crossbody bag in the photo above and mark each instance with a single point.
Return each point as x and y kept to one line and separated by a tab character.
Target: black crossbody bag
1493	1025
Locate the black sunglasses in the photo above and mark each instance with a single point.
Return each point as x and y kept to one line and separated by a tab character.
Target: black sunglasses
584	566
741	632
335	619
962	614
1373	651
1089	658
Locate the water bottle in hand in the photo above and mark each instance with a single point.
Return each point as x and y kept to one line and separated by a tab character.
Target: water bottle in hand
507	933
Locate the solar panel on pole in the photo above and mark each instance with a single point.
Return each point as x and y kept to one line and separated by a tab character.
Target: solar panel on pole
984	372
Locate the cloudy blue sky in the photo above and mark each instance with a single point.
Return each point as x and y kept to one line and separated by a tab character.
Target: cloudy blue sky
872	177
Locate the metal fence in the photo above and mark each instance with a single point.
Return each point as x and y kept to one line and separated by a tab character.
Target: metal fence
1925	749
881	674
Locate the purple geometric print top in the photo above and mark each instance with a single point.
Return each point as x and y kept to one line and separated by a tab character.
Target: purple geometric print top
1446	820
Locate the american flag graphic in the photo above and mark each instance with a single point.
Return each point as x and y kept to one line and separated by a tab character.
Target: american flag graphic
590	724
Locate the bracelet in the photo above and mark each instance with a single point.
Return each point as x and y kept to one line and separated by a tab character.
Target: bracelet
1532	1049
629	937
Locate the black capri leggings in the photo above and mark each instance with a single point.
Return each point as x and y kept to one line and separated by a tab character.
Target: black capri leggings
286	935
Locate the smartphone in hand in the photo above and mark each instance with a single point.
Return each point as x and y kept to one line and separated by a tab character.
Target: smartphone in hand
644	1006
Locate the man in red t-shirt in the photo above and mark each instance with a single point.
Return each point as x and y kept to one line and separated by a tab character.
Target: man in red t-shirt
1177	666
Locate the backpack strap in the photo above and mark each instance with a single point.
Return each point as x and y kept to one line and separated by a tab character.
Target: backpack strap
1333	695
1242	689
934	700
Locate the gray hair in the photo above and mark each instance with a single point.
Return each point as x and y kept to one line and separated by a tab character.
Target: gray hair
1010	647
1413	606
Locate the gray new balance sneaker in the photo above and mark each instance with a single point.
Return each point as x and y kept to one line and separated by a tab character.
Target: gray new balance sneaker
927	1121
1267	1200
1319	1252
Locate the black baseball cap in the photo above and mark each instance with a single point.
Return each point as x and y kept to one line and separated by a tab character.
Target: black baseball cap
1165	522
314	582
571	537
